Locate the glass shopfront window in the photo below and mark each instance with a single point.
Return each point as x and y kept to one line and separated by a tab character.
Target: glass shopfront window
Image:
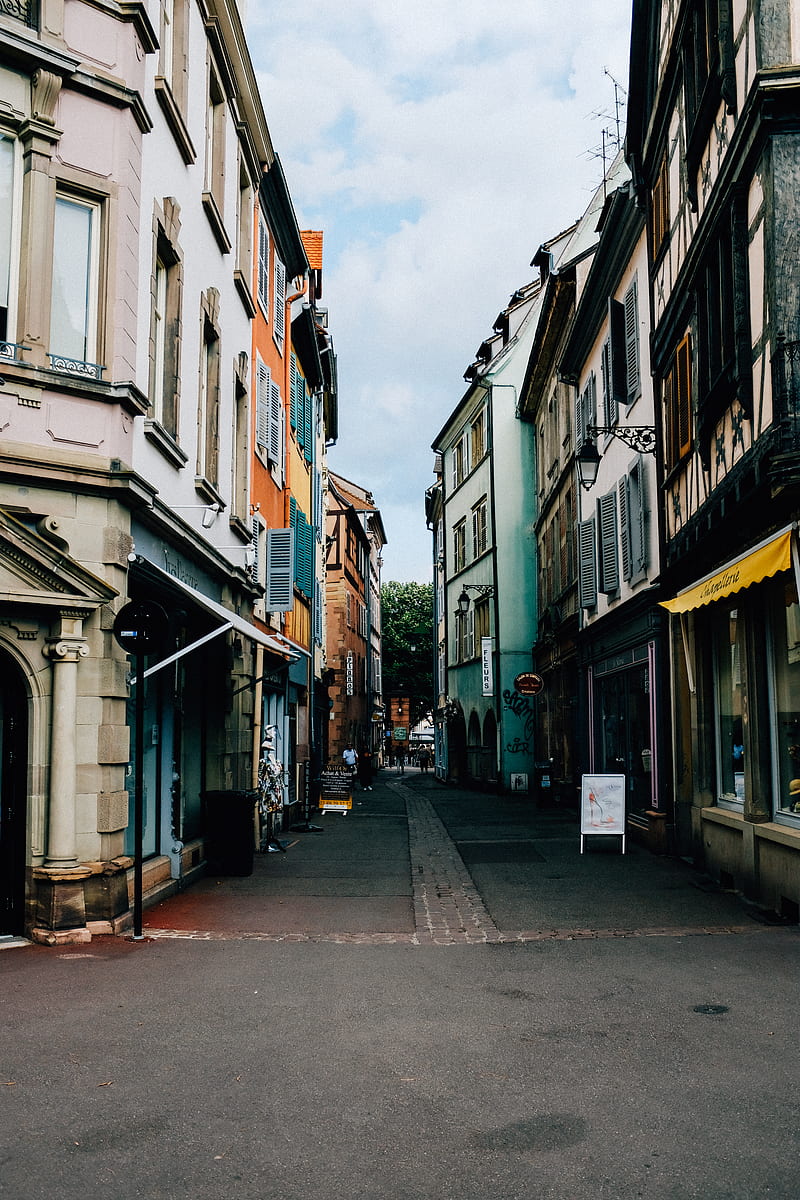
786	704
623	734
728	643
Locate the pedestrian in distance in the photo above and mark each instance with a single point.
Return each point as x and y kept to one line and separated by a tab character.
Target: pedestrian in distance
351	761
424	760
365	769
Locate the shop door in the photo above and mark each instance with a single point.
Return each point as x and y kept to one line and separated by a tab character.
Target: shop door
623	737
13	796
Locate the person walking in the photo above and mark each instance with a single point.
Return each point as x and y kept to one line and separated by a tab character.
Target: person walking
350	760
424	760
365	769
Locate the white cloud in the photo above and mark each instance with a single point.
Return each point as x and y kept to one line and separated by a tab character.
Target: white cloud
437	144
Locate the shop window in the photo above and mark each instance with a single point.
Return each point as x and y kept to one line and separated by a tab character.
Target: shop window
729	651
786	732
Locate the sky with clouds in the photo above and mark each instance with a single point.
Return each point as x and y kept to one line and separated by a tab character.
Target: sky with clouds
437	144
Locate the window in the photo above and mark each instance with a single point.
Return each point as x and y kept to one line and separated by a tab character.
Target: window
478	438
301	410
8	238
244	240
214	194
677	402
479	538
460	459
465	635
460	546
76	274
482	620
241	444
587	565
608	581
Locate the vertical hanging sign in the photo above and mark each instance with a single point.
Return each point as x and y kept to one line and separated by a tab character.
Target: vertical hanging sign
487	647
349	675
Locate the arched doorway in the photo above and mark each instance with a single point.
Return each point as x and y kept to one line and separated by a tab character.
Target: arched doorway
13	795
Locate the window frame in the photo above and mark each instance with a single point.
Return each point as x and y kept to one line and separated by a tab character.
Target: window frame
91	289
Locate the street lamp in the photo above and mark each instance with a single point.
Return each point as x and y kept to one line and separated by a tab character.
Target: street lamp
483	589
641	438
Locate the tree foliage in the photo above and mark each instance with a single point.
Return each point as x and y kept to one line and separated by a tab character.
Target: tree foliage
407	638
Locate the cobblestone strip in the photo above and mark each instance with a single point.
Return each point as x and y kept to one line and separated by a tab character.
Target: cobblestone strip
447	906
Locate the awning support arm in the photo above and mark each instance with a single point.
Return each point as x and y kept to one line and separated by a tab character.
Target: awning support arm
186	650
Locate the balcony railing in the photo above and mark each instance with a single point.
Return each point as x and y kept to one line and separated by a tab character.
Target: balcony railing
74	367
26	11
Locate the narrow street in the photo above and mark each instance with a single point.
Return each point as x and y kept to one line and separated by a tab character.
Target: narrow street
437	996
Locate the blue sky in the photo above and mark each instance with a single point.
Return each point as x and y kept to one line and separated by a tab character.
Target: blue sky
437	144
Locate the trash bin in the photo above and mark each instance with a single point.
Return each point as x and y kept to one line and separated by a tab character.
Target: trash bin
229	832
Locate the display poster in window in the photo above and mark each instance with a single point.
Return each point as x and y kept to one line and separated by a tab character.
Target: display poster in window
603	806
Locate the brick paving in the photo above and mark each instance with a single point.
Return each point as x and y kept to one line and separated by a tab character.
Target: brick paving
447	906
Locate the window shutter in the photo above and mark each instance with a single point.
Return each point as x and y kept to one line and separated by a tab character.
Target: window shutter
617	359
263	266
610	406
255	544
632	342
275	421
294	375
609	555
587	582
623	492
280	570
637	518
682	397
280	300
471	633
262	404
308	421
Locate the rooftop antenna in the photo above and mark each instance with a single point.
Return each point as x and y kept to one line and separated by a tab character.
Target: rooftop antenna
612	132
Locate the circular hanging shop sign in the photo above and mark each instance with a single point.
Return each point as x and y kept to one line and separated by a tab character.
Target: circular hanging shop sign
529	683
141	627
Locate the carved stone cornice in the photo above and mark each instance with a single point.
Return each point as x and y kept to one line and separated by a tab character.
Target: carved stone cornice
45	90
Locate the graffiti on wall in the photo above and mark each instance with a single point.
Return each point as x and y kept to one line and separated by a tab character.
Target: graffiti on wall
522	709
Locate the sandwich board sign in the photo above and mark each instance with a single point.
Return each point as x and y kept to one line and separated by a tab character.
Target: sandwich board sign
603	806
336	785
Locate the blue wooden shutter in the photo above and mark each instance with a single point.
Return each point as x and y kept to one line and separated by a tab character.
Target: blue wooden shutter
587	571
609	553
262	404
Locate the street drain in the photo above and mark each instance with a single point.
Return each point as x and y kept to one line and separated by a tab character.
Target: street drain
710	1010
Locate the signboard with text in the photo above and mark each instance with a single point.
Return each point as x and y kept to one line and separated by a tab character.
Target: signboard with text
603	806
487	671
336	786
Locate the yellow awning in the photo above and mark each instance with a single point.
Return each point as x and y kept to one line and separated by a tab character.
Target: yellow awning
759	564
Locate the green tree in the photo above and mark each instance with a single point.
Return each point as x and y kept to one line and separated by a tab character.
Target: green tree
407	640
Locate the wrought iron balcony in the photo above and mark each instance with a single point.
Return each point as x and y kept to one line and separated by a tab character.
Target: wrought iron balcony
26	11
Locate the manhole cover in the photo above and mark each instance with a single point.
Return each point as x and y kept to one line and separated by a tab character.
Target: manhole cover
710	1010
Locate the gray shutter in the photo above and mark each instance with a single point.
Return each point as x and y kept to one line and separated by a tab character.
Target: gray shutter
610	406
632	343
587	582
638	521
609	555
624	491
262	404
617	357
280	570
275	422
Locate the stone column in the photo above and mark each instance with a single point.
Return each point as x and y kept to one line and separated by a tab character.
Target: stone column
64	651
